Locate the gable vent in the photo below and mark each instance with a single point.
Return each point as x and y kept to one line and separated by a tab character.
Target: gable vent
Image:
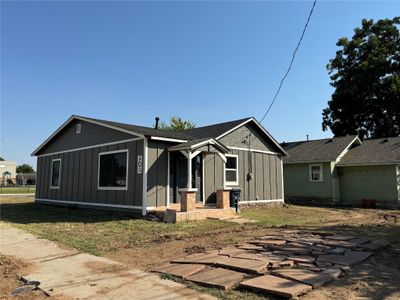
78	128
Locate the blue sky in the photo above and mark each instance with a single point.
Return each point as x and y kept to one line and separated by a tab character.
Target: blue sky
131	61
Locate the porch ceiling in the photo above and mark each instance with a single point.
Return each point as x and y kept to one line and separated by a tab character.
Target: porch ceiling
204	145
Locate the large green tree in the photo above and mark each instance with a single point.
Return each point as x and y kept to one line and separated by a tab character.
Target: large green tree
25	168
177	124
366	76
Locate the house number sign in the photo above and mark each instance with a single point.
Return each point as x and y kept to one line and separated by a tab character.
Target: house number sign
139	164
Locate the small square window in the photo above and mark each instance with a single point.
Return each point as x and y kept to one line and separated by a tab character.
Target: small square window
78	128
316	173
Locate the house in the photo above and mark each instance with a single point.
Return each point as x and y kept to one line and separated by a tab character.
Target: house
343	171
7	172
104	164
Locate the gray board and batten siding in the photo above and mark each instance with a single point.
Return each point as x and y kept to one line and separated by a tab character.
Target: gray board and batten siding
79	154
78	182
263	161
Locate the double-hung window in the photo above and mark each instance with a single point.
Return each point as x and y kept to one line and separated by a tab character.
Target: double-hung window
231	170
55	173
113	170
316	172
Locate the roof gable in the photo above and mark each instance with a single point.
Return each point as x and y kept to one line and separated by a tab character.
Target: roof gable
66	138
324	150
215	131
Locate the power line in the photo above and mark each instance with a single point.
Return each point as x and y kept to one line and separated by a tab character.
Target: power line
291	61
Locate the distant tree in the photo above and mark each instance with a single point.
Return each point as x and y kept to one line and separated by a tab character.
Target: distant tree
366	76
1	159
177	124
25	168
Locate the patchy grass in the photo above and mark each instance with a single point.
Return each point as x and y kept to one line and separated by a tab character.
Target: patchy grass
144	244
29	189
100	232
94	231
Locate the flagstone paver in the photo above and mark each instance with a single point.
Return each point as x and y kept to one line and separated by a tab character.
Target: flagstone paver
276	285
217	277
246	265
292	262
315	279
180	270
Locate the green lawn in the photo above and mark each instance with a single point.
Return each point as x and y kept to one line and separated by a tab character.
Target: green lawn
29	189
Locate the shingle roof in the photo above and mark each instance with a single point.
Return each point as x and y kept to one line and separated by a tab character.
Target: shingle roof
149	131
374	151
316	150
211	131
214	131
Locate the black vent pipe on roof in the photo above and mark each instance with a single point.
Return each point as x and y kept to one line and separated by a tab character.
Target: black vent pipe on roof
157	121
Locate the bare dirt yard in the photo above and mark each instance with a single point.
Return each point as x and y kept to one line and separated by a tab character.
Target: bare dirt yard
10	270
146	244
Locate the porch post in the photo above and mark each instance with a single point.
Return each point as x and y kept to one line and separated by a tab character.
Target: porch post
189	170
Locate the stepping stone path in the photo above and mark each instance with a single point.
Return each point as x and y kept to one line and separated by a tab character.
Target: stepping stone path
287	263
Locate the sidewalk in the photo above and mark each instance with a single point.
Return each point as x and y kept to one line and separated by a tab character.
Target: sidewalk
79	275
16	195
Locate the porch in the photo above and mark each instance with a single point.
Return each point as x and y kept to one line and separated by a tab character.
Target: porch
187	180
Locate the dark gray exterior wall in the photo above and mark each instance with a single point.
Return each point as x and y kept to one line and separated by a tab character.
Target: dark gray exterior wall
266	183
235	138
157	173
79	177
213	177
91	134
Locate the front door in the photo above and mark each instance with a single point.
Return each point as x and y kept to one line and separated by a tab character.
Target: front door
197	176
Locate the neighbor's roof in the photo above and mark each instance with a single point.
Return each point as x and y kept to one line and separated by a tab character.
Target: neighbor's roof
324	150
373	152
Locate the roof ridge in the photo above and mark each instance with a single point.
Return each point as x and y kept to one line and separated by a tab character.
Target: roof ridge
324	139
217	124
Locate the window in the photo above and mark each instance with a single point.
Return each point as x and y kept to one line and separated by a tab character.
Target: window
113	170
231	170
55	173
78	128
316	173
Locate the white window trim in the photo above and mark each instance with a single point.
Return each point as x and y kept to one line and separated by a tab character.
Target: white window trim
322	172
230	183
53	187
113	188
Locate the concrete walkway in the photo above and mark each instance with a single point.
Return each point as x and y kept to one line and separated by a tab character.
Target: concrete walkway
83	276
17	195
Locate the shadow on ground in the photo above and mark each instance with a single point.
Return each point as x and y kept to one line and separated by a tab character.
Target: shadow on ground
29	213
